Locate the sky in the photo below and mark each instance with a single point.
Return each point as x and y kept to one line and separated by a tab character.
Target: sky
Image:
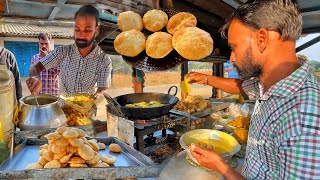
313	52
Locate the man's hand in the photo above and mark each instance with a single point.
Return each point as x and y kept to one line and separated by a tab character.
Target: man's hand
34	85
212	160
197	78
205	158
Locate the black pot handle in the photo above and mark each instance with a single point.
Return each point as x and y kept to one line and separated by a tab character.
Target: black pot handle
175	93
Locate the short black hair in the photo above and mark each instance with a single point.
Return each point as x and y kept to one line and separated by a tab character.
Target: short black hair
88	10
282	16
44	36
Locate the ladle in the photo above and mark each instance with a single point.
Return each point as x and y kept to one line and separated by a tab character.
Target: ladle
35	98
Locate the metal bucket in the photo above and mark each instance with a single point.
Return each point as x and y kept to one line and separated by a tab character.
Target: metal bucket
47	115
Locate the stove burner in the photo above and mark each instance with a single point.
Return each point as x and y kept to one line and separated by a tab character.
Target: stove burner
150	139
148	127
163	118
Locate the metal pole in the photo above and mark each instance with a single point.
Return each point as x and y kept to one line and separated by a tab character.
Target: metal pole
308	44
7	5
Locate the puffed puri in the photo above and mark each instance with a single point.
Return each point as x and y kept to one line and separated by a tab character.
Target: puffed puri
192	43
181	20
154	20
159	44
130	43
129	20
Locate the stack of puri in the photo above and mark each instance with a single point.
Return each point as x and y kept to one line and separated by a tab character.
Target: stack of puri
190	42
68	147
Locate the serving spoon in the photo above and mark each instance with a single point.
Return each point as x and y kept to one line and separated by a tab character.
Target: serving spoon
35	98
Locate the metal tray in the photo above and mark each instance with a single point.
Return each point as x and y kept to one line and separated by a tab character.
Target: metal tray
21	136
130	163
194	115
186	171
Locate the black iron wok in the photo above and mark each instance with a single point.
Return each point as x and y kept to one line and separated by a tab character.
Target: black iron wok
168	100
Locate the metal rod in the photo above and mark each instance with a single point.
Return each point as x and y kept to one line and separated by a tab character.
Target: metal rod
308	44
99	41
7	5
35	98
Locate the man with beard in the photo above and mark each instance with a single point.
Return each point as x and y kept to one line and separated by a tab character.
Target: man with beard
284	136
82	64
49	78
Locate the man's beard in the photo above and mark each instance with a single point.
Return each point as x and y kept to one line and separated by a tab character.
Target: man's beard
83	43
249	69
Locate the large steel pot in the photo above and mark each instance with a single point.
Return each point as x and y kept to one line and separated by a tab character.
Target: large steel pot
47	115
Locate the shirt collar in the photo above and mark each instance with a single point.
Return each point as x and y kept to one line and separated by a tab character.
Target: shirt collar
90	55
288	85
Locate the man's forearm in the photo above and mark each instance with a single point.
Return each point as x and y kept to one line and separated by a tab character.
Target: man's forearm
228	172
233	175
228	85
36	69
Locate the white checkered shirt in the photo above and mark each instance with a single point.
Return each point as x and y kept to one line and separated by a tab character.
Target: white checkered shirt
77	73
284	136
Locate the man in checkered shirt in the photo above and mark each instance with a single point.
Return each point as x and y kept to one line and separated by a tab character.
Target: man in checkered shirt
49	78
82	64
284	136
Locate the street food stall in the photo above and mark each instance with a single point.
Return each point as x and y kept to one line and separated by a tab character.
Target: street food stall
147	135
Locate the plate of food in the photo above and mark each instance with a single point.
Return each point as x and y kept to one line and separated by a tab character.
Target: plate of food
78	108
222	143
193	105
241	128
82	102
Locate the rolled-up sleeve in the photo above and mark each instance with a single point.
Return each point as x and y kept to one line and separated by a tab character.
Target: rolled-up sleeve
105	72
53	59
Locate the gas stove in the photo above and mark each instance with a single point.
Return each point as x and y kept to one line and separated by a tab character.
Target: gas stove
149	127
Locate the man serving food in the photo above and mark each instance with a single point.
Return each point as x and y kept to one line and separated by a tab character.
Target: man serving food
82	64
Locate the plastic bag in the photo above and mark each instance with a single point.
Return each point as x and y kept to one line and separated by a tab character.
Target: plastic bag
62	119
247	109
235	110
101	103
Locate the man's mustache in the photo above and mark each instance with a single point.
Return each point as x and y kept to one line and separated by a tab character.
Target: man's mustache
84	40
